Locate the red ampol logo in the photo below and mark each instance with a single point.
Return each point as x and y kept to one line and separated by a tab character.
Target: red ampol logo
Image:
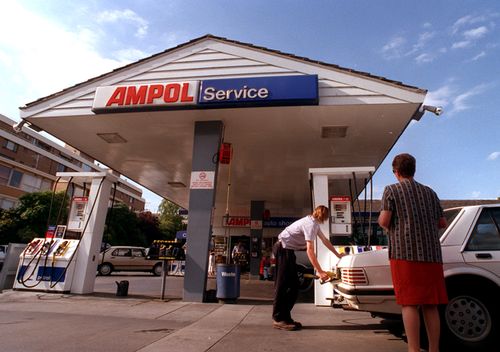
170	93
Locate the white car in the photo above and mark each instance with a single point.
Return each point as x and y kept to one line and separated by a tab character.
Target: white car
471	258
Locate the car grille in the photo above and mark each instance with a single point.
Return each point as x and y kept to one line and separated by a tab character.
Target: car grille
354	276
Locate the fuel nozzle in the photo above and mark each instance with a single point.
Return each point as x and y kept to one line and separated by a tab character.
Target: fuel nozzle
331	277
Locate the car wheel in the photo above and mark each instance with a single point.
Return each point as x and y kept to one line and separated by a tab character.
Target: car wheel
105	269
305	284
157	269
468	318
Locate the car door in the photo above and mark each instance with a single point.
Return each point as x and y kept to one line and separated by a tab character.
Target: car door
121	258
139	260
483	245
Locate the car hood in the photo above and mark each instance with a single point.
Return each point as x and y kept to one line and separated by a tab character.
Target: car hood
371	258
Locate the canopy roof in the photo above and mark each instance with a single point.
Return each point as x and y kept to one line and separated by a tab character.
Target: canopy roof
358	119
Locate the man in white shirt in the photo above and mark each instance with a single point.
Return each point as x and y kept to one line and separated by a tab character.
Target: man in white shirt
298	236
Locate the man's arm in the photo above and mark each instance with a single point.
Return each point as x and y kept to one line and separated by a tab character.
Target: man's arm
314	261
329	245
384	219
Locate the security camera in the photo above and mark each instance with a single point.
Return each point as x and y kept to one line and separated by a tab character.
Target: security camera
18	127
437	110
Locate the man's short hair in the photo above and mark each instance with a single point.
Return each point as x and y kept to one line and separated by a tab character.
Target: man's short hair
404	164
320	213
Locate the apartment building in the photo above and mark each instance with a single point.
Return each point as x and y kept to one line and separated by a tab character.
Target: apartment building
29	163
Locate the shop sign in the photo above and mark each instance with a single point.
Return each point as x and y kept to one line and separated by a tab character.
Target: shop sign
244	221
136	97
236	221
232	92
260	91
202	180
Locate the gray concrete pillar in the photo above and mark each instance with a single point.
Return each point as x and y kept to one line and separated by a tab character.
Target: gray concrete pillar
256	230
207	138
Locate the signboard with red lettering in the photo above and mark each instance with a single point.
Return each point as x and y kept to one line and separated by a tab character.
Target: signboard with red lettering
154	95
236	221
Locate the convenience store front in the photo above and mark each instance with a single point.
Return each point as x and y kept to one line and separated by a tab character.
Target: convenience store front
161	122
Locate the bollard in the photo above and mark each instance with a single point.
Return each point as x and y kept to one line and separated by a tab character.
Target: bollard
122	288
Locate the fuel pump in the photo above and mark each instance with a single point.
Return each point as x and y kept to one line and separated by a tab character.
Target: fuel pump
57	263
329	187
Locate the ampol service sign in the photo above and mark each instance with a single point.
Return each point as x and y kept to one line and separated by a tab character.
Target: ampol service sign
215	93
145	96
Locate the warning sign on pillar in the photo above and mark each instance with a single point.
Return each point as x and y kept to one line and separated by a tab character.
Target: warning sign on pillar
202	180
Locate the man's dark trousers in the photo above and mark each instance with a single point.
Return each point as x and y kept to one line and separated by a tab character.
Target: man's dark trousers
286	284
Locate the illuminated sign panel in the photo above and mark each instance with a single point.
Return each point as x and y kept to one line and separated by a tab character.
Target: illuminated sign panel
233	92
260	91
145	96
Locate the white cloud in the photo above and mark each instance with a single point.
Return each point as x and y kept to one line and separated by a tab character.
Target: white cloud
461	44
468	20
424	58
48	57
440	97
393	49
494	156
475	33
461	102
478	56
125	15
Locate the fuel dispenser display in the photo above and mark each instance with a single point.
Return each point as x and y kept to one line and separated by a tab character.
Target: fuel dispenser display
340	215
77	214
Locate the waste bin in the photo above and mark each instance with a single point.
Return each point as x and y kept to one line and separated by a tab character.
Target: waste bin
228	282
122	288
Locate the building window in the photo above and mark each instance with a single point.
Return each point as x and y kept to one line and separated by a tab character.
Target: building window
61	168
46	185
4	174
10	146
15	179
7	203
31	183
42	145
87	168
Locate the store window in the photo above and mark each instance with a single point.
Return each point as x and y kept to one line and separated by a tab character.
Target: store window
10	146
4	174
15	179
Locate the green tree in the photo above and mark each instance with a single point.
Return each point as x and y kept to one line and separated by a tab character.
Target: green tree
122	227
149	225
30	218
170	220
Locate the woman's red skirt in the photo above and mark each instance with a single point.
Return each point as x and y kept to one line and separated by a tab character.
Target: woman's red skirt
417	283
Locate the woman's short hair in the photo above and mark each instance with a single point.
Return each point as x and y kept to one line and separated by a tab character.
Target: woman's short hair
404	164
320	213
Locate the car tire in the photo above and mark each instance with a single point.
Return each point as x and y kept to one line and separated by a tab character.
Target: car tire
157	269
469	319
105	269
305	284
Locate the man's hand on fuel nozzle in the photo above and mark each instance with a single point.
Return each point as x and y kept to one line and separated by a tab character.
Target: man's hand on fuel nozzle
323	276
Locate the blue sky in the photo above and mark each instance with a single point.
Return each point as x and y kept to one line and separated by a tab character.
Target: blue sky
450	47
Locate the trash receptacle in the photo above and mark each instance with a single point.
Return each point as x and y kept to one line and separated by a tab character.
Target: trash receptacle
122	288
228	282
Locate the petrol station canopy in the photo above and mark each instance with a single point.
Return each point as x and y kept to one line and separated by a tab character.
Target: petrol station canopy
355	120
